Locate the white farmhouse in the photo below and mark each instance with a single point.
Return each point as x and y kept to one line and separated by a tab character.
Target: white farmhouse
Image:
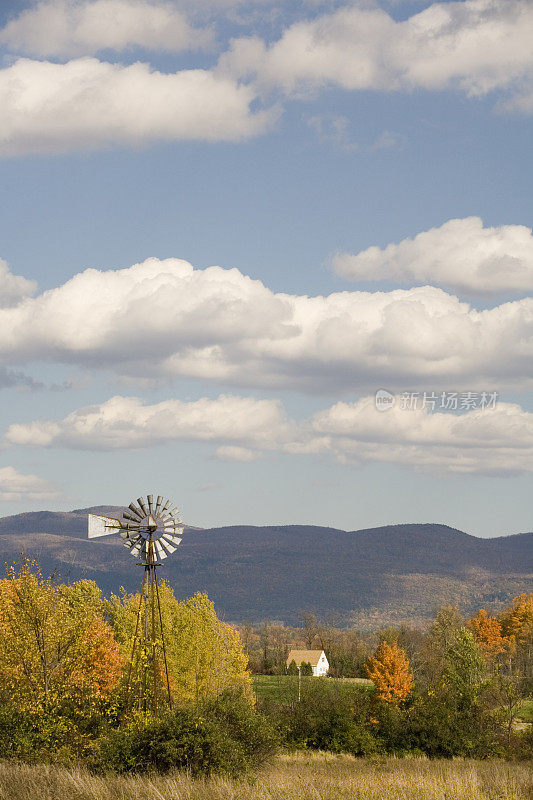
317	659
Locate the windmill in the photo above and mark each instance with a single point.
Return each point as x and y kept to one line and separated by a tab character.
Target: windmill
151	532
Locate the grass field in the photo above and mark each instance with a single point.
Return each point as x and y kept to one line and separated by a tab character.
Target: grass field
298	777
284	688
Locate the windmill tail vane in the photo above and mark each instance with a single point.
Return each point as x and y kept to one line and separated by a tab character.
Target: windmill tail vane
151	532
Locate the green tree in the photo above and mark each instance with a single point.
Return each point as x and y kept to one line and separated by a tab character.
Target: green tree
306	669
432	656
292	669
464	668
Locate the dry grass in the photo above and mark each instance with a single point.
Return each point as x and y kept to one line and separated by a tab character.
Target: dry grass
298	777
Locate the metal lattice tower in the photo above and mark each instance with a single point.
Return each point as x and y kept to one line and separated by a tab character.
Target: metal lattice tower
151	532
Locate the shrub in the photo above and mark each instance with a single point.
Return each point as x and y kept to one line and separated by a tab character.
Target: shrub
224	736
436	726
325	719
36	736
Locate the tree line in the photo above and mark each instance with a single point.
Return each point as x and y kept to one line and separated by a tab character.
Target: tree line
65	654
455	689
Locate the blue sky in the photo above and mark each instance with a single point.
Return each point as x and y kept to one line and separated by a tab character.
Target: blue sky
297	137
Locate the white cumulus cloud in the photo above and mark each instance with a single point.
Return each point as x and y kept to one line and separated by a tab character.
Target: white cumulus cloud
461	255
13	288
79	28
87	103
161	319
128	423
473	45
18	487
495	440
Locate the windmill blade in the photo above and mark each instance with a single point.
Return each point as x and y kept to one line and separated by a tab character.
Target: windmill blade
102	526
168	545
130	536
135	549
135	510
131	517
158	504
160	553
163	545
174	539
176	531
142	505
150	499
131	543
174	519
166	506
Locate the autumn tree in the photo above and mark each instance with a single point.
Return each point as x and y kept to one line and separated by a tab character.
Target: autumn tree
517	624
390	672
56	648
411	640
487	632
205	655
513	681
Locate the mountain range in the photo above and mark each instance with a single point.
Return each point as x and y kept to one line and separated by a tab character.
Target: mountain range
388	575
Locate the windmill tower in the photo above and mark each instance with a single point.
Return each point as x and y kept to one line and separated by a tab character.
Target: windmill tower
151	532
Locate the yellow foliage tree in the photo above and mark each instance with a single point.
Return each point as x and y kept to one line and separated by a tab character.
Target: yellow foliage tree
517	626
205	655
517	620
55	646
390	672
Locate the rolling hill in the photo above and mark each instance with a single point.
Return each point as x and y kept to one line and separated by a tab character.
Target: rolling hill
391	574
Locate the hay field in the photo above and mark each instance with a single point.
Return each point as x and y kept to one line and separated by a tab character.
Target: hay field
318	776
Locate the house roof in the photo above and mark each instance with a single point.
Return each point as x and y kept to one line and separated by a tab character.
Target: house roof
299	656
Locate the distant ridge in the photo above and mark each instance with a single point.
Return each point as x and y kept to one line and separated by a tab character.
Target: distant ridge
369	577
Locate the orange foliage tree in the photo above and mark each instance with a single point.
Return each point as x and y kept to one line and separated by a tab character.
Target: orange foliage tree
56	648
390	672
487	632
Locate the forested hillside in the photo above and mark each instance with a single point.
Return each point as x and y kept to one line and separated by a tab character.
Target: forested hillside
391	574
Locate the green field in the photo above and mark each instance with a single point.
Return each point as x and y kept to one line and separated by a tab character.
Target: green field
284	688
